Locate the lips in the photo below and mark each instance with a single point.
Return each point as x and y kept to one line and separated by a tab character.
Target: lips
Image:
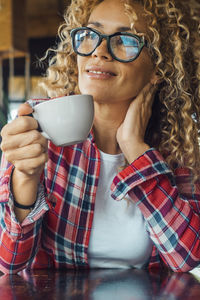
100	71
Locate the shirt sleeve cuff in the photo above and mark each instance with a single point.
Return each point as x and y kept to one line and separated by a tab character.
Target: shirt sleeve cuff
149	165
41	206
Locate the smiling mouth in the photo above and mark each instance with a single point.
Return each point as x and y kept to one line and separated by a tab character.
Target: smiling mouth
101	72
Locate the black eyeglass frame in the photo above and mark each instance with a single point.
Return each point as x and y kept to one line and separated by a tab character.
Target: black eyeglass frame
142	42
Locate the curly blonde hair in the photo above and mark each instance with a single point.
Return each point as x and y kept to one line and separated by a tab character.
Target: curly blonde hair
174	36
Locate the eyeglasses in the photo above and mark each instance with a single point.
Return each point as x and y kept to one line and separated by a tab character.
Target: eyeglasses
122	46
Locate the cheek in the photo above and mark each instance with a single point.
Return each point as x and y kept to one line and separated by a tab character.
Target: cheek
140	74
78	60
80	65
133	81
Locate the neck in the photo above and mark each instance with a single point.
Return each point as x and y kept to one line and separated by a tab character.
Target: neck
108	118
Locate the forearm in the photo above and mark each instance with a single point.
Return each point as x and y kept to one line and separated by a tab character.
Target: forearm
19	242
24	190
170	205
133	151
173	223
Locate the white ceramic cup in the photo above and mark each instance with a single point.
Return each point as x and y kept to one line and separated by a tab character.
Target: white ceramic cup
65	120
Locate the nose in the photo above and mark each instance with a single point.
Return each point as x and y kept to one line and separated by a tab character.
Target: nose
102	51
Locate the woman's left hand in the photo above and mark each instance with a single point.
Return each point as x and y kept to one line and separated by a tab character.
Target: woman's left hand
130	134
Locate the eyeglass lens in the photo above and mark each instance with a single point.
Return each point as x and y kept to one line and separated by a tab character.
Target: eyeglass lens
123	47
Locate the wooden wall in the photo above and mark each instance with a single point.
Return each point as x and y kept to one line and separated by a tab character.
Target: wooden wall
13	27
42	20
44	16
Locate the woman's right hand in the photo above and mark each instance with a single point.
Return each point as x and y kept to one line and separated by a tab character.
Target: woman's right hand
23	145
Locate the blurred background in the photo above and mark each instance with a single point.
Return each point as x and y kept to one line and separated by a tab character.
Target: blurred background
27	29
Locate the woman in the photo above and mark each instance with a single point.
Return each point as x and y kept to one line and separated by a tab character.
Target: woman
139	60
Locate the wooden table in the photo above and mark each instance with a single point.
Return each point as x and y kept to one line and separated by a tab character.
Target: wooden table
101	284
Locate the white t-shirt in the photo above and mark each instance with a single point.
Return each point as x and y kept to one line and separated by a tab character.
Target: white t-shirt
119	238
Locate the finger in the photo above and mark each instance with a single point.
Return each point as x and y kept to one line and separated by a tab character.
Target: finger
23	139
148	94
24	109
32	165
149	90
27	152
152	95
140	98
19	125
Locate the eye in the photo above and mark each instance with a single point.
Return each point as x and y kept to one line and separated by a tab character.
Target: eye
118	40
93	35
129	41
80	36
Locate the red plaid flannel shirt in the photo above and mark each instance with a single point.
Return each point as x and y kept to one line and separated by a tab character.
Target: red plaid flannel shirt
56	232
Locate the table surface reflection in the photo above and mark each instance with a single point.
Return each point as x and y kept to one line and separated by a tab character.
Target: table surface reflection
99	284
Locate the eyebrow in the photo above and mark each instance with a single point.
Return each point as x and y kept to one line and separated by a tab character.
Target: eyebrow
99	25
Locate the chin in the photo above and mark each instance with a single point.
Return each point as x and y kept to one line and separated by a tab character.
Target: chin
92	90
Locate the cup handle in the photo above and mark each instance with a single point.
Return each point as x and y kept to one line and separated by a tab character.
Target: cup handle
45	135
39	128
